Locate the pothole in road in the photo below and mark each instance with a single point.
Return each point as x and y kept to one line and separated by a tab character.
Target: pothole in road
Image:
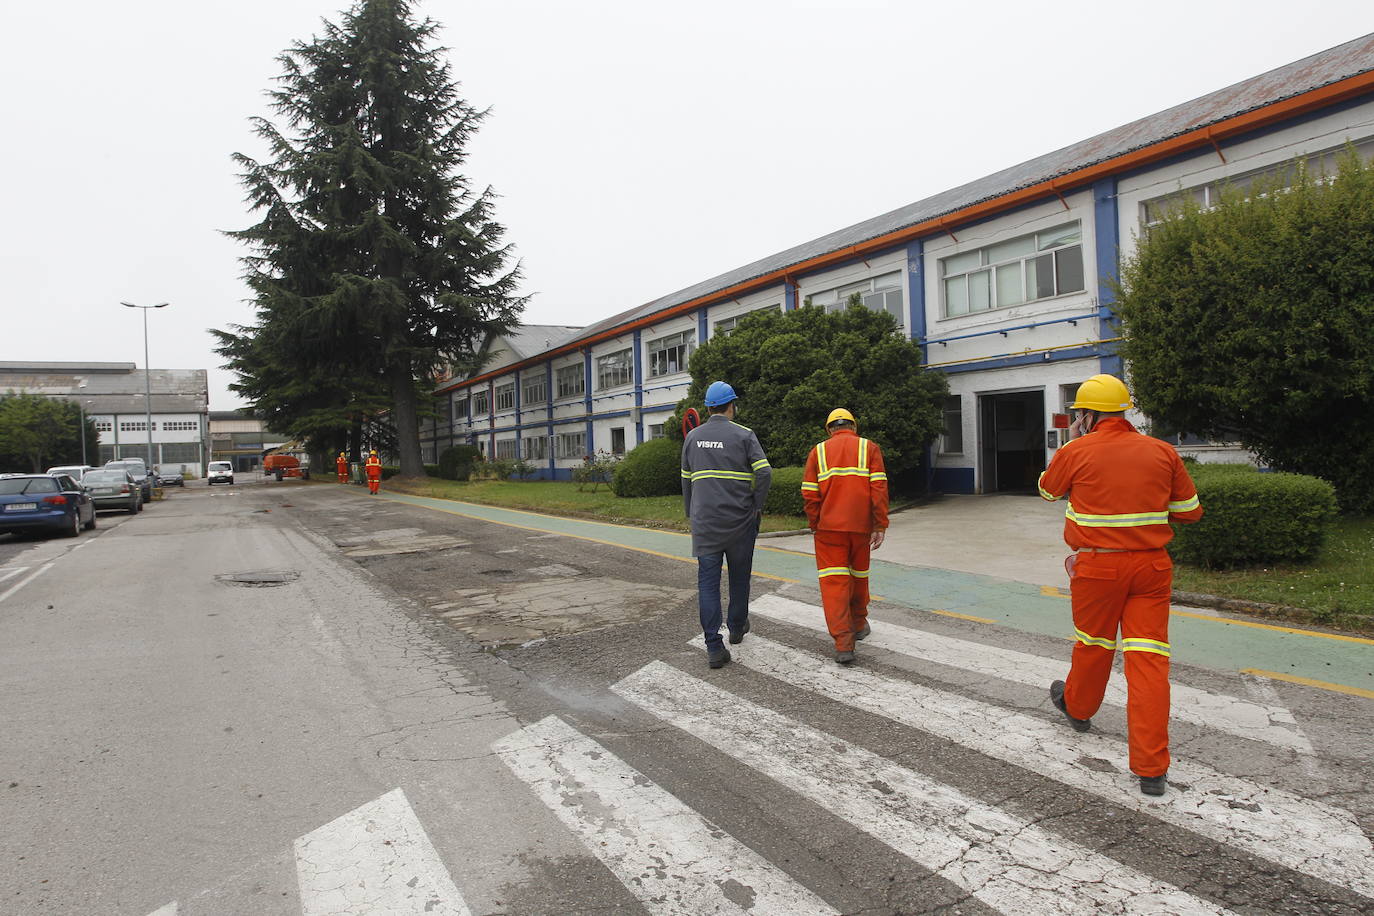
261	579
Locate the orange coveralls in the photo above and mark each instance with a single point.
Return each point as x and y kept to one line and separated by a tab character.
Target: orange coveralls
341	465
1123	489
374	473
844	487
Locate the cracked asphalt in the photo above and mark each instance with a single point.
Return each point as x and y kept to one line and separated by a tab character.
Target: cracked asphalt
171	736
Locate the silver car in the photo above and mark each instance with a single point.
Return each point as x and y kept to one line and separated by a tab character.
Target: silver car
113	488
139	470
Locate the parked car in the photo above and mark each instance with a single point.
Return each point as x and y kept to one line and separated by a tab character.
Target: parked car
113	488
169	478
220	472
139	470
74	471
44	502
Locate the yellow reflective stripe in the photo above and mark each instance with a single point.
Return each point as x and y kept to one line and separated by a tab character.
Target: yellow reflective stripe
1095	641
761	463
1122	520
1044	494
820	457
807	485
878	476
859	573
687	475
863	454
725	475
1145	645
832	571
1185	505
843	472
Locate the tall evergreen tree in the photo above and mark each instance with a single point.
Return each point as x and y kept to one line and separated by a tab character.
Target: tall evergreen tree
375	261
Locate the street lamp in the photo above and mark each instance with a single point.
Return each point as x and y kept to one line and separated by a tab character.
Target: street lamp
147	376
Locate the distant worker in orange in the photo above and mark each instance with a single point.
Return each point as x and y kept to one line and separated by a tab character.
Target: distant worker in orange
1123	489
341	463
844	487
374	472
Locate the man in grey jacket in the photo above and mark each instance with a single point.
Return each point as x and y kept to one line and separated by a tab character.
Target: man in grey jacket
725	479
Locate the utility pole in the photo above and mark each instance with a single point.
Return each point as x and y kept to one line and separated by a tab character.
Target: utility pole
147	376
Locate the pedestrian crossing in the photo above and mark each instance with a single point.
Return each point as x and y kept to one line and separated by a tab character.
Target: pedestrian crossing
15	576
676	861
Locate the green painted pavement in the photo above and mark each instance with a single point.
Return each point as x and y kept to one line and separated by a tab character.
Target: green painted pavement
1203	640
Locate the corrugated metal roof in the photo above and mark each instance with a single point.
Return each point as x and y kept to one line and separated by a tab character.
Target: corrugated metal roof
1322	69
173	390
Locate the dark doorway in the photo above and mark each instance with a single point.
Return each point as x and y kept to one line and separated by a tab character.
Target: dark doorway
1011	440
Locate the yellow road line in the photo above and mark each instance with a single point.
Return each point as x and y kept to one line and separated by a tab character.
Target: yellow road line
1269	626
1053	591
1309	682
961	616
580	537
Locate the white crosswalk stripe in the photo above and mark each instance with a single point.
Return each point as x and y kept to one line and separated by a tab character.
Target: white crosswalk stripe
24	581
1269	823
9	572
375	859
667	855
168	910
1270	724
998	858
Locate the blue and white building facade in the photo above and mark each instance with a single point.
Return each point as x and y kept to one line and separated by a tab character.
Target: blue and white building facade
1005	283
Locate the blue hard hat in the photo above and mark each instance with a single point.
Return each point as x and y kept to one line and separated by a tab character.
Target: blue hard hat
719	394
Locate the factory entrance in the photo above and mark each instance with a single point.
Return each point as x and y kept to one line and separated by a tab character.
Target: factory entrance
1011	434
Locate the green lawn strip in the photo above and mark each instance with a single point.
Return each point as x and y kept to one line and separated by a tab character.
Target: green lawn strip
562	498
1340	582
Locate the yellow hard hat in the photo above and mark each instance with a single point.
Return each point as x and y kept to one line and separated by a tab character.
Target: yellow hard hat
839	413
1103	392
373	452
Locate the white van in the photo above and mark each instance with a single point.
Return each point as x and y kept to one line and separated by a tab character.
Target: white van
220	472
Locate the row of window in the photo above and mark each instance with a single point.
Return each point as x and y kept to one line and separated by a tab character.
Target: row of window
141	426
571	445
1037	266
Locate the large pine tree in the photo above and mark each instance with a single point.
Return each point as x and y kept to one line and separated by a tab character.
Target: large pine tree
374	262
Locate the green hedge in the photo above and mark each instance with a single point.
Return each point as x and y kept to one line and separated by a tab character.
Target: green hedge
651	469
456	461
1251	518
784	496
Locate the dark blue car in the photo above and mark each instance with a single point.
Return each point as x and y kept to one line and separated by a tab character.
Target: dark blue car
54	503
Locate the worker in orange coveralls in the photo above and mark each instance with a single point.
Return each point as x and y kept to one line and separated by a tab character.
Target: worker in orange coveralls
374	472
341	464
844	487
1123	489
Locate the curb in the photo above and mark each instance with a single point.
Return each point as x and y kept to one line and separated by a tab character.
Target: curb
1356	622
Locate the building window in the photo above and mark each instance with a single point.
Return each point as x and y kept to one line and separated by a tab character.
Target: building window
618	440
460	408
614	369
878	294
534	391
104	426
133	426
180	453
505	448
505	397
572	381
180	426
571	445
536	448
1024	269
479	403
655	431
668	355
952	437
725	326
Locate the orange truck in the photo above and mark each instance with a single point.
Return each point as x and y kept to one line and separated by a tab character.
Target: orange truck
284	464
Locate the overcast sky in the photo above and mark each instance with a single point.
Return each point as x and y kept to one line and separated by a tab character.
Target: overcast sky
637	147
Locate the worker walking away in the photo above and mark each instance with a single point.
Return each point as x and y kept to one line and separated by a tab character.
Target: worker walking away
1123	489
341	464
374	472
725	480
844	488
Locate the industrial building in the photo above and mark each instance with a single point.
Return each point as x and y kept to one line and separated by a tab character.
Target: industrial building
1004	282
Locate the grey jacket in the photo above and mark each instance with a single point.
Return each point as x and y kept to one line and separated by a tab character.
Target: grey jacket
725	479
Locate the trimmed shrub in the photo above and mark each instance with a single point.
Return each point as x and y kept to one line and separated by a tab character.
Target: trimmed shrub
784	495
1252	518
651	469
431	470
456	461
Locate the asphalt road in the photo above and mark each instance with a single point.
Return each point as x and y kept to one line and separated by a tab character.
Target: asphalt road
295	698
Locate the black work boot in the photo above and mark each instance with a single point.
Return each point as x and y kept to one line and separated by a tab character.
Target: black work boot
737	638
863	634
1057	698
717	658
844	656
1154	785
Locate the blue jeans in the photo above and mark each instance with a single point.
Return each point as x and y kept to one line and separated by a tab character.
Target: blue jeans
739	558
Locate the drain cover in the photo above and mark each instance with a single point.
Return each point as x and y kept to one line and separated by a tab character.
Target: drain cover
263	579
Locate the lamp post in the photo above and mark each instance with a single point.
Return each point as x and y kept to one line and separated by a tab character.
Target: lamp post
147	376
